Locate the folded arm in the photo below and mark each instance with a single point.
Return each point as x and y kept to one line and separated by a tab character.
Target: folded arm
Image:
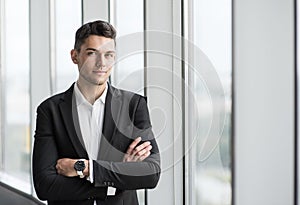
133	174
49	185
140	167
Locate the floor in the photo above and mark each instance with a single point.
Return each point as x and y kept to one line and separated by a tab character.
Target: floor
9	197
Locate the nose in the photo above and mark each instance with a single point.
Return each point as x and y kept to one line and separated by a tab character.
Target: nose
100	61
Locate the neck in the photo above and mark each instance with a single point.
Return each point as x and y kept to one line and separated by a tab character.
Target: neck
91	92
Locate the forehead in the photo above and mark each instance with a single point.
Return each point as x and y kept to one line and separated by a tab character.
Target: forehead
100	43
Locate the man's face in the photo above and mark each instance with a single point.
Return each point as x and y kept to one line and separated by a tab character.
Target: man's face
95	59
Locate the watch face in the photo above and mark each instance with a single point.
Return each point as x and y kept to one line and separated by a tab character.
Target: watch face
79	165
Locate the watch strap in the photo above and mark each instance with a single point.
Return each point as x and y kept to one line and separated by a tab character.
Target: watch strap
80	174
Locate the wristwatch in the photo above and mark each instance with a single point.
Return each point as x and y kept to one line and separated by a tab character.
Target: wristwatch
79	166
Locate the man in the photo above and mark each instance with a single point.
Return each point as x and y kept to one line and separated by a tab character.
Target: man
94	143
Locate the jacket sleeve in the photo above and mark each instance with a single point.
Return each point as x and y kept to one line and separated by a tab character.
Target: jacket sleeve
132	175
48	184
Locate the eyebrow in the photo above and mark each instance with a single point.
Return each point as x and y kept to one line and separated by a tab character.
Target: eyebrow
93	49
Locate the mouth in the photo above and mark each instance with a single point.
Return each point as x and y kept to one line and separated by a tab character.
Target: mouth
100	72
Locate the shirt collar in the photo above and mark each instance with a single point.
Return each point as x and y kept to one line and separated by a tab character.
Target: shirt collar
103	96
80	99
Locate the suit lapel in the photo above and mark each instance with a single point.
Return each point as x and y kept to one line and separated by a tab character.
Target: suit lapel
76	120
111	117
66	111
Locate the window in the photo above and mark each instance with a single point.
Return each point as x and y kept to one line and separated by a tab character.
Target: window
128	73
65	28
15	80
129	68
211	103
298	99
15	112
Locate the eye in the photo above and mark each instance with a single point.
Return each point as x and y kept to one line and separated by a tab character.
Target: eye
90	53
109	55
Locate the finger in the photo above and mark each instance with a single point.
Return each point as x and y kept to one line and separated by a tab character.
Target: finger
141	147
133	158
127	158
143	151
57	168
149	148
141	155
144	156
133	145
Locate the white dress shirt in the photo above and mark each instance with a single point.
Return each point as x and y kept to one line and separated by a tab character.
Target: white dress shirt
91	122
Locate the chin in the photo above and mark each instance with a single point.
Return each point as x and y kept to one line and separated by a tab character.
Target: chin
98	81
101	82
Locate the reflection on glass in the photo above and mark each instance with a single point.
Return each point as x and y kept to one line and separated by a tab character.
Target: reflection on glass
298	94
66	26
212	169
129	68
16	116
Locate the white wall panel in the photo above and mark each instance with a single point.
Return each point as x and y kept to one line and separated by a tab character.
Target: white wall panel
264	102
40	85
163	82
95	9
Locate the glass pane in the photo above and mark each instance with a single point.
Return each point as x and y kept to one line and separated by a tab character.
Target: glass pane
129	69
212	94
16	101
298	97
66	26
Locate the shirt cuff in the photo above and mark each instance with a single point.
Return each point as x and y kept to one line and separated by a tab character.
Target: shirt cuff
91	170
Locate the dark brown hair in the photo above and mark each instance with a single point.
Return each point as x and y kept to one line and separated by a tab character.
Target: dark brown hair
99	28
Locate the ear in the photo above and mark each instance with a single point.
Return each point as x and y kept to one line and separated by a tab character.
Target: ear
74	56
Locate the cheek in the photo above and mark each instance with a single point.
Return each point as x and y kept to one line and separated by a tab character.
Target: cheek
87	63
109	70
110	62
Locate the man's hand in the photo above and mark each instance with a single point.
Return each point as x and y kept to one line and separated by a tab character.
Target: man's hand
136	153
65	167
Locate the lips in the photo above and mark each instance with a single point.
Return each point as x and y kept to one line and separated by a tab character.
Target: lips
100	72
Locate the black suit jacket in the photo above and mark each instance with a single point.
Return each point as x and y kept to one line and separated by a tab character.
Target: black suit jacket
125	118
